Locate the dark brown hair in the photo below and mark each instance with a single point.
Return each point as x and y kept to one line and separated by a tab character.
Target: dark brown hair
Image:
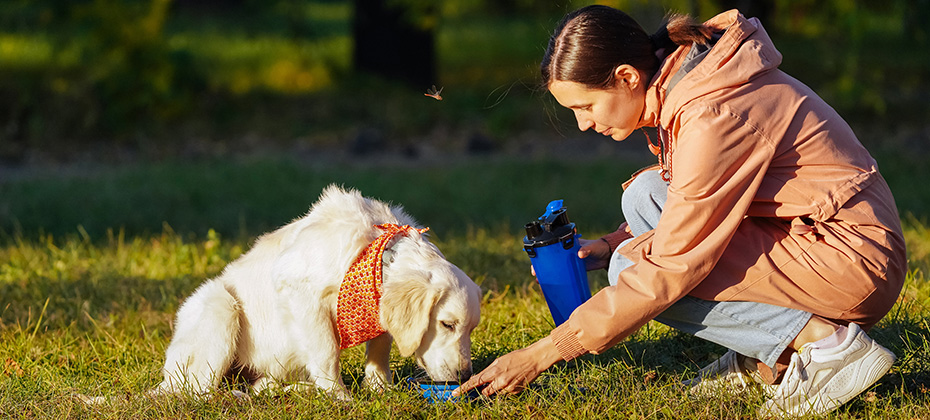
589	43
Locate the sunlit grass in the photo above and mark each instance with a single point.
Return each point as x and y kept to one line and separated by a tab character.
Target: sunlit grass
95	318
90	310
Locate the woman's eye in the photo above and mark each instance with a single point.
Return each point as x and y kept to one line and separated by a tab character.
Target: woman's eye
448	325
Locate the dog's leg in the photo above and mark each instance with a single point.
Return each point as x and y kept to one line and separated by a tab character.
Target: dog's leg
377	367
204	341
322	368
321	362
330	383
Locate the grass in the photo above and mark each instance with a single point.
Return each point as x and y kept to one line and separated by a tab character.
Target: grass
233	198
89	309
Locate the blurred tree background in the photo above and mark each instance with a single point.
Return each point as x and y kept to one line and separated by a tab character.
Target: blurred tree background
154	79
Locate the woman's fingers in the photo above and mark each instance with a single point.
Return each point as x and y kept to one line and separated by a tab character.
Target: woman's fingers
513	371
501	376
596	248
596	253
583	252
473	382
506	381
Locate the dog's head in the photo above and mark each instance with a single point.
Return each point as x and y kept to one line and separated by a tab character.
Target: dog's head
430	307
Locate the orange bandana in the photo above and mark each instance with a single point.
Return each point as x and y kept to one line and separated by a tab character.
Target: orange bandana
360	291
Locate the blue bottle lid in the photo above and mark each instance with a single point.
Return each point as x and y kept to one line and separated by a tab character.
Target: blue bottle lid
552	227
553	206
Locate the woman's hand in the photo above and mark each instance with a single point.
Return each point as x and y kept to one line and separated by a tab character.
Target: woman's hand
512	372
596	255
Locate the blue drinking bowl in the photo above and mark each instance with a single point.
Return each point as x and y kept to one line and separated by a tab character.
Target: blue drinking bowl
438	391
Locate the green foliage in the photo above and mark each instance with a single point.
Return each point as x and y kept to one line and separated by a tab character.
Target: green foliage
119	48
154	74
857	45
108	66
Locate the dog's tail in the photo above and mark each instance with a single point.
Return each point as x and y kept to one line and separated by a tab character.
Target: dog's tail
205	340
203	346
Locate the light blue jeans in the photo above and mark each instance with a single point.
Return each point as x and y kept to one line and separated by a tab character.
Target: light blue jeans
756	330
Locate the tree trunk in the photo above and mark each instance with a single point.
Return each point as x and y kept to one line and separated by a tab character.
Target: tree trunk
389	44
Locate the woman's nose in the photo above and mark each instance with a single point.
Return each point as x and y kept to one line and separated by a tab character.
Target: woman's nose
584	123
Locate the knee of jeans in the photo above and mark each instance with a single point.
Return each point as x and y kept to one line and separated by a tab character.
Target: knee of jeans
644	196
617	264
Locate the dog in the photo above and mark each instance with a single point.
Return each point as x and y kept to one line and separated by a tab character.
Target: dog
273	311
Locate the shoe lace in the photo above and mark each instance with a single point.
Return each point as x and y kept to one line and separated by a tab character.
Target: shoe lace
794	375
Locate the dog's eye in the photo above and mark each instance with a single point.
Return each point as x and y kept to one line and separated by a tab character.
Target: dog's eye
448	325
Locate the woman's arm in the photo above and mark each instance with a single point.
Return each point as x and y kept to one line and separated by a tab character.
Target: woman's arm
718	162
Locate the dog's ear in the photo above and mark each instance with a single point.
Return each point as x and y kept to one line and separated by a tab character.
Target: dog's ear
406	304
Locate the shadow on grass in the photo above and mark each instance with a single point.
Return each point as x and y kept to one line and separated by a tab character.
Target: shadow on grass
662	356
908	336
85	304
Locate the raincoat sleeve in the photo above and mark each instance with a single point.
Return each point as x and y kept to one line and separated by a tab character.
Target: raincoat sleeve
718	162
614	239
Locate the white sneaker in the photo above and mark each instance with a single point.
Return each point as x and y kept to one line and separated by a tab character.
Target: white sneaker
820	380
732	372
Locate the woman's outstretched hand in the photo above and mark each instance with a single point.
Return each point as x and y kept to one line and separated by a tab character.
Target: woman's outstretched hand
512	372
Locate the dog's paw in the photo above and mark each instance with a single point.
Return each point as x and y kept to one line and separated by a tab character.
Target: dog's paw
240	396
376	384
90	401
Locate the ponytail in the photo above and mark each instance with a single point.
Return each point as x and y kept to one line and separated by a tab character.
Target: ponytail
679	30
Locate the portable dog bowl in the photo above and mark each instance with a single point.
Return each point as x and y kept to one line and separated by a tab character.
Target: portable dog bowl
552	244
438	391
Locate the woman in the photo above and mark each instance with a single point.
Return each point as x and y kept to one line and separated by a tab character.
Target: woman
765	228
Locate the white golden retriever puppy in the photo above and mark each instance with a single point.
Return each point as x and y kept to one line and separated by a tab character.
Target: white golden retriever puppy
272	312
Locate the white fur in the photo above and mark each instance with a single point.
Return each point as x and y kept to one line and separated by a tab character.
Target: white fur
273	310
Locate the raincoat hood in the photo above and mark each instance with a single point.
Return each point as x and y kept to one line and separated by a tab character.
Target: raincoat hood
742	52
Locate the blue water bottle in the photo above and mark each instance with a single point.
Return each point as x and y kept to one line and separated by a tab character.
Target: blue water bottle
552	243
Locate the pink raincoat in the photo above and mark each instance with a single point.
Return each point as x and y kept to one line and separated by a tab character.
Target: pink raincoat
772	199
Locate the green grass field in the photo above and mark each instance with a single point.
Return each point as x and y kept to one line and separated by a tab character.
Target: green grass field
93	265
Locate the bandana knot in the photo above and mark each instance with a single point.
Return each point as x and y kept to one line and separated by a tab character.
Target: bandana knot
360	292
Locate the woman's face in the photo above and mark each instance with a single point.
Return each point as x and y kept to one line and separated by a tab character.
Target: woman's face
614	112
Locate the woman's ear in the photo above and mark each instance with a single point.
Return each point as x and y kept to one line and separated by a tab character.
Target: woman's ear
627	76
